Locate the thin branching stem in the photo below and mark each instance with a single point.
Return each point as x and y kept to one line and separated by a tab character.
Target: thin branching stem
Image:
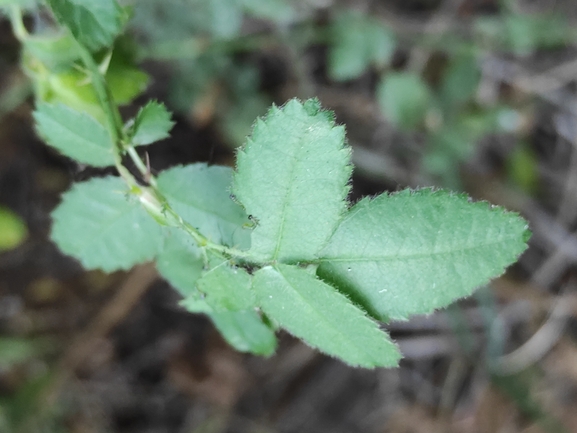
115	127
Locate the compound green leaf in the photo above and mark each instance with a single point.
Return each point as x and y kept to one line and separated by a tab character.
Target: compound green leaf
75	134
292	178
358	42
227	288
200	195
98	224
404	99
324	318
415	251
245	331
94	24
152	123
180	262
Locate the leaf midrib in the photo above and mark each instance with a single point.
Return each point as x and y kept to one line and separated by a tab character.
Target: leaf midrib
285	203
401	257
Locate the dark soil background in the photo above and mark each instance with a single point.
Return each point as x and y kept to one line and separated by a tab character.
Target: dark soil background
115	353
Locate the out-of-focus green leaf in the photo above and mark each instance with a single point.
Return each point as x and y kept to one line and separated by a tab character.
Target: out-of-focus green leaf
57	52
25	411
461	79
71	88
280	11
224	17
357	43
455	141
125	80
526	33
523	168
238	119
13	230
523	33
404	99
16	350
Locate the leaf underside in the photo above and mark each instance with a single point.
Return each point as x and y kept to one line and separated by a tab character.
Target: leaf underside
245	331
292	177
315	312
404	99
200	195
180	262
227	288
101	227
415	251
75	134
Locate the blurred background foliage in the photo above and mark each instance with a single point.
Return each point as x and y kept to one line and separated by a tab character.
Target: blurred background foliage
472	95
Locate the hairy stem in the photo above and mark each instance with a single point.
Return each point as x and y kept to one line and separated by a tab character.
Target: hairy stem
111	112
150	197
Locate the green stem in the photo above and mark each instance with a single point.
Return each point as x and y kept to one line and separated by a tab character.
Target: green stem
137	161
113	118
202	241
141	166
110	109
151	198
157	206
